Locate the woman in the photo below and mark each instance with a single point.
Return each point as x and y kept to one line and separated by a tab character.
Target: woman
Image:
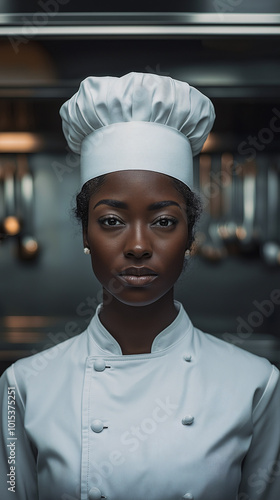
142	405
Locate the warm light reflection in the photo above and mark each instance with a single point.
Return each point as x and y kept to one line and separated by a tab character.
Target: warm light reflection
11	225
20	142
241	233
21	337
30	245
212	143
28	321
204	170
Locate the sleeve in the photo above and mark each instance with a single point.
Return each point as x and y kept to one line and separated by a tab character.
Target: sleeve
261	466
18	475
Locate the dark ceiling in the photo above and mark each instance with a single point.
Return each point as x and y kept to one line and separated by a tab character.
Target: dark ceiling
254	6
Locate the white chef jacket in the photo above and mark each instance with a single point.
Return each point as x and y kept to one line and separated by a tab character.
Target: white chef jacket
197	418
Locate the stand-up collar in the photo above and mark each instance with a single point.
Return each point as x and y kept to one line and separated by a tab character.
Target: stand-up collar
164	340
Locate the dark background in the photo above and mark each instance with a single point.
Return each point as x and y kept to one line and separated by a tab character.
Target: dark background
241	74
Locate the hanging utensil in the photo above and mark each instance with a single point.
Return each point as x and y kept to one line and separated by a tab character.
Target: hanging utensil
211	246
271	247
11	225
28	247
227	227
245	232
3	235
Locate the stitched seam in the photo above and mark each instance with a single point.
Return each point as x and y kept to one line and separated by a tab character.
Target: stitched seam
23	405
265	391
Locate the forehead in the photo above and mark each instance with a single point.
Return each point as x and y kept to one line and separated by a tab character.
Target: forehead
139	184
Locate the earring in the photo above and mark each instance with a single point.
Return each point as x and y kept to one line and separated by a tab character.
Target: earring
86	251
187	253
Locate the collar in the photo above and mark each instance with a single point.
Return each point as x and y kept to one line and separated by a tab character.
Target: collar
172	334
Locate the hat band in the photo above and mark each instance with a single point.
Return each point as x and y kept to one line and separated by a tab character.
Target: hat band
137	146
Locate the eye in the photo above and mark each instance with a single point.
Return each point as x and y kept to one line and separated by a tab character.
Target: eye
165	222
111	221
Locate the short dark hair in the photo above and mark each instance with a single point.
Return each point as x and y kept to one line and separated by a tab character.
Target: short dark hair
193	203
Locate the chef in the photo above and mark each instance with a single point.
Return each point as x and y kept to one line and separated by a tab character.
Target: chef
142	405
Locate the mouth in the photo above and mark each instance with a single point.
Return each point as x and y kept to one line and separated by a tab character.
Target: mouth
137	276
137	271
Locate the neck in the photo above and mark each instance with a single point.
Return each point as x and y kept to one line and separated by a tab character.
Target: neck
135	327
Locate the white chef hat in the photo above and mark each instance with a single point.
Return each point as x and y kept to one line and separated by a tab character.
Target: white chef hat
139	121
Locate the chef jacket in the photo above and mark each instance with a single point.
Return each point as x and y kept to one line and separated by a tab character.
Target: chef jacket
196	418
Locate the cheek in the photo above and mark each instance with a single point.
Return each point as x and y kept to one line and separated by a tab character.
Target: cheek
172	259
100	256
103	253
174	247
100	245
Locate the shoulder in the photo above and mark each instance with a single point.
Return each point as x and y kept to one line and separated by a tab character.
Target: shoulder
235	368
221	356
50	366
233	356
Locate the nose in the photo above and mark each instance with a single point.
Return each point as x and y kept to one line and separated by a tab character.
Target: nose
138	243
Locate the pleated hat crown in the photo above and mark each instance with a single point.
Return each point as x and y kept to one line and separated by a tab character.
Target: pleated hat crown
138	121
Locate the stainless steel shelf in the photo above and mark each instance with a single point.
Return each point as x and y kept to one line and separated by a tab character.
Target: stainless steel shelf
144	25
65	89
142	18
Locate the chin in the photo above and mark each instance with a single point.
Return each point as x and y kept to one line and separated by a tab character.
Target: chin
139	298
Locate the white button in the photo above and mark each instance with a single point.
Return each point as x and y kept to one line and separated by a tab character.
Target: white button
188	420
94	494
187	358
99	365
97	426
188	496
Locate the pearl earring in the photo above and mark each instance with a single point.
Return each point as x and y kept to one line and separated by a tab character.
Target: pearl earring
86	251
187	253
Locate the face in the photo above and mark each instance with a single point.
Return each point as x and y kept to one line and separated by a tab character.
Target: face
137	233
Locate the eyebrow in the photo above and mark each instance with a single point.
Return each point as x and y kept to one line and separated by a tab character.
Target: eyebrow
120	204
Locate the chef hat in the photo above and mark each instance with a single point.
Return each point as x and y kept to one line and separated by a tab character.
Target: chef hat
139	121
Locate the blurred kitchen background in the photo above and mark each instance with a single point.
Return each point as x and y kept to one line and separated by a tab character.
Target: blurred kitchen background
228	49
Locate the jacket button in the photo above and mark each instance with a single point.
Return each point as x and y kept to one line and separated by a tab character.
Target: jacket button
99	365
188	420
188	358
97	426
188	496
94	494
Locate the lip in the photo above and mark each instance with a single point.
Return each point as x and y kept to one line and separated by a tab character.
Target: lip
137	271
133	280
137	276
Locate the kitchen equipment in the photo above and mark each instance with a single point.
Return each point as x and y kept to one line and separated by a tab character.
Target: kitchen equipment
228	225
11	225
210	243
246	232
28	247
270	250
